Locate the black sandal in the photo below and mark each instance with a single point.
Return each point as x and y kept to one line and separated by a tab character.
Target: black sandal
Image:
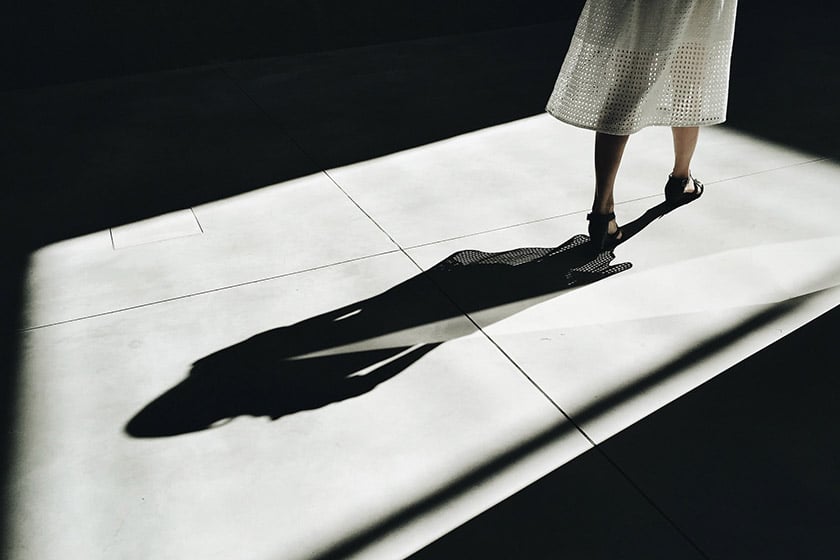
675	190
599	236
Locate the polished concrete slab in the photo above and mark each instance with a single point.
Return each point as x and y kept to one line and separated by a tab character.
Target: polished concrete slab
530	170
505	175
251	237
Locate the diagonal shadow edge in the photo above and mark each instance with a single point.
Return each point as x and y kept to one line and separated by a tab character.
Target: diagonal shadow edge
463	482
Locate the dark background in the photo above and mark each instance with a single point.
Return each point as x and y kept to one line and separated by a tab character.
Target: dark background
53	41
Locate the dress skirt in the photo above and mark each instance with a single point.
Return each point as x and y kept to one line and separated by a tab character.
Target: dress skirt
638	63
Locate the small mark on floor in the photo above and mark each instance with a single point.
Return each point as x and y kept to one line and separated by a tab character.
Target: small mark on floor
176	224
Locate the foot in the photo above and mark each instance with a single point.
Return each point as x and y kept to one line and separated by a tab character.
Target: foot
682	189
604	231
612	226
690	187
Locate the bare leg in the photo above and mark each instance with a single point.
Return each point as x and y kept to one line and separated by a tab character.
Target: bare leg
685	140
608	151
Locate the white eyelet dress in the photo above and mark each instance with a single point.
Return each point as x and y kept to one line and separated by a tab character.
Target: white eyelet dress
638	63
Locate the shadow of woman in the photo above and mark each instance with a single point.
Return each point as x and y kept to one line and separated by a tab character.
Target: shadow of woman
347	352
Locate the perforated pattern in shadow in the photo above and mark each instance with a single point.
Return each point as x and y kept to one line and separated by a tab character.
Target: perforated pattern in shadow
637	63
514	257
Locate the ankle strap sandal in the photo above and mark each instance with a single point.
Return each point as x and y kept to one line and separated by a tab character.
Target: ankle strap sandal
599	237
675	190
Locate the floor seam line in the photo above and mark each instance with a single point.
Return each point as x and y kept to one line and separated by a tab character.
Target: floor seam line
596	446
315	161
494	230
205	292
536	385
197	221
510	359
520	224
650	500
365	212
797	164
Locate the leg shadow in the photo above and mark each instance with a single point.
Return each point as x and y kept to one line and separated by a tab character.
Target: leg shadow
631	229
349	351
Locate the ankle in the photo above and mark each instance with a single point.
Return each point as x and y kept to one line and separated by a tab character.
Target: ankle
681	173
602	209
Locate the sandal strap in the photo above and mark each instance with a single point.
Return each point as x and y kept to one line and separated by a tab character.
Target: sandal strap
675	188
598	218
698	186
682	181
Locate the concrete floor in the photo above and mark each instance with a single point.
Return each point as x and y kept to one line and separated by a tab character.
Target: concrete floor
301	355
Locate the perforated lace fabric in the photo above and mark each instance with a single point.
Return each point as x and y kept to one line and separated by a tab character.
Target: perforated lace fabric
638	63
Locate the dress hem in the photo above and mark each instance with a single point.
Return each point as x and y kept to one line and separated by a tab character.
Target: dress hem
634	130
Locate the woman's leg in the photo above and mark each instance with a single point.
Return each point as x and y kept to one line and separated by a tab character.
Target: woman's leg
685	140
608	151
